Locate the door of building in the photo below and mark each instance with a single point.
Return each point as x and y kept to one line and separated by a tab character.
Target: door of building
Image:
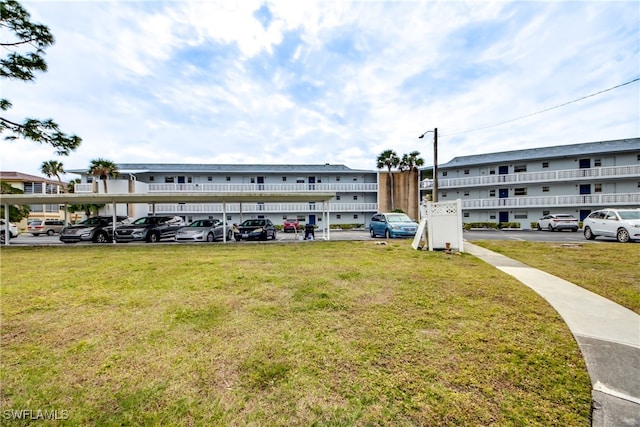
312	183
503	217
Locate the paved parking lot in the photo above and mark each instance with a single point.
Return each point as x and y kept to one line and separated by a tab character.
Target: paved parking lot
26	239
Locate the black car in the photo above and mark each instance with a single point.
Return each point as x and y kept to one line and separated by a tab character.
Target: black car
149	229
97	229
260	229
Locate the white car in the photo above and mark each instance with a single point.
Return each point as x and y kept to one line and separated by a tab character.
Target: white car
556	222
622	224
13	230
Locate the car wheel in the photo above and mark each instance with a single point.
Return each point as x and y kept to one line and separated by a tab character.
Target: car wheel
274	235
372	233
550	228
588	234
210	237
623	235
153	238
539	228
387	234
50	233
100	238
230	235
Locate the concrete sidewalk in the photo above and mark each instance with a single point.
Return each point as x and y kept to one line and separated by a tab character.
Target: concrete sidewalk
607	333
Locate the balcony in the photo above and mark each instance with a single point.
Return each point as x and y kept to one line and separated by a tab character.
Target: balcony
207	208
613	172
267	188
586	200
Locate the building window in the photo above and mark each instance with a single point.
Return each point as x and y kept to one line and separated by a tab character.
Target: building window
597	163
545	165
210	178
168	180
638	158
520	216
466	171
152	178
519	168
189	180
465	214
355	216
338	216
492	171
443	195
337	179
228	179
253	180
284	179
337	197
545	188
545	213
355	179
492	216
520	191
444	173
492	193
597	188
355	197
300	181
466	193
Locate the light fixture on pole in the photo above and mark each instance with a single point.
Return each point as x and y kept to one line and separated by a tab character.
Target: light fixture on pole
435	162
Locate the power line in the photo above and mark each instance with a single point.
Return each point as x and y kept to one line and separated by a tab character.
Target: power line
546	109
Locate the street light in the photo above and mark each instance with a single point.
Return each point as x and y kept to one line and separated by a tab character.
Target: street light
435	162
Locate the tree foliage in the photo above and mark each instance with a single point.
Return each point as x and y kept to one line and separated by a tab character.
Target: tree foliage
103	169
24	59
388	159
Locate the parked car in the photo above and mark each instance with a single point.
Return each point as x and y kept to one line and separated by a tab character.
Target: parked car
150	229
46	226
259	229
557	222
623	224
13	231
290	225
203	230
392	224
97	229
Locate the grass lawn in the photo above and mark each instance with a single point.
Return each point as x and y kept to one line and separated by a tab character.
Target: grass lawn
607	269
308	333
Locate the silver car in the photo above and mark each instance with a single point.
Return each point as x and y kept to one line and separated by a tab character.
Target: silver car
622	224
203	230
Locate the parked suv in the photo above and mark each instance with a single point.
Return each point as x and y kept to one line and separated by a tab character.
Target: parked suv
97	229
623	224
150	229
46	226
557	222
392	224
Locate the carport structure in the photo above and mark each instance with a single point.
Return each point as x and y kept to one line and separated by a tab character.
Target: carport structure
182	197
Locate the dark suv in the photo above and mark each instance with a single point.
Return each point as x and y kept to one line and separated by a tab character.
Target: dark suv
97	229
150	229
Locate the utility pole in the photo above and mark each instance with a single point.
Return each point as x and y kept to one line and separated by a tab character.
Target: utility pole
434	195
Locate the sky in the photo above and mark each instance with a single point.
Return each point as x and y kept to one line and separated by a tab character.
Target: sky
314	82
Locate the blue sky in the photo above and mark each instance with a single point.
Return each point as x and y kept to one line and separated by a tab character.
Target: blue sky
314	82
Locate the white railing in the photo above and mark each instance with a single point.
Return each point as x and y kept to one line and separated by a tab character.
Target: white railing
267	188
83	188
195	208
536	177
604	200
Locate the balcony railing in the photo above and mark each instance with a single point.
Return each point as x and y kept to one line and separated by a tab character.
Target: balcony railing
203	208
587	200
267	188
611	172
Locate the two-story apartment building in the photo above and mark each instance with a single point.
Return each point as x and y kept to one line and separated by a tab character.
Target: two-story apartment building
31	184
355	201
524	185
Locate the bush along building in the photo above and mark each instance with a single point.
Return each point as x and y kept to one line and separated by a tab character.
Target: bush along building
355	200
516	188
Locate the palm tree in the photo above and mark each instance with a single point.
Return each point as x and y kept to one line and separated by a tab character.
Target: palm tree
388	159
411	162
103	169
53	168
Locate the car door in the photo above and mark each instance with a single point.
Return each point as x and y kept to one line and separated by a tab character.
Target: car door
610	224
374	224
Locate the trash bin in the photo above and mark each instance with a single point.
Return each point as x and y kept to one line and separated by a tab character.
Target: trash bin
309	232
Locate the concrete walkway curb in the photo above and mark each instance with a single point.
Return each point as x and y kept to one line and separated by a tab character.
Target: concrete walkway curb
607	333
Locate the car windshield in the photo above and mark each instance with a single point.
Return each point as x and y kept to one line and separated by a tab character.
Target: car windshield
95	221
398	218
147	220
629	214
565	216
253	223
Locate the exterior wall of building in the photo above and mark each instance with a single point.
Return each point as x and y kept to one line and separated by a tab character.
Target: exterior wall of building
355	201
524	185
405	192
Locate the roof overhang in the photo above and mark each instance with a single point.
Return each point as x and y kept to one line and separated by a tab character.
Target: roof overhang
182	197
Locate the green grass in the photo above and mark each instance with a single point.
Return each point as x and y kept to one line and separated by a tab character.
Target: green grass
609	269
322	334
